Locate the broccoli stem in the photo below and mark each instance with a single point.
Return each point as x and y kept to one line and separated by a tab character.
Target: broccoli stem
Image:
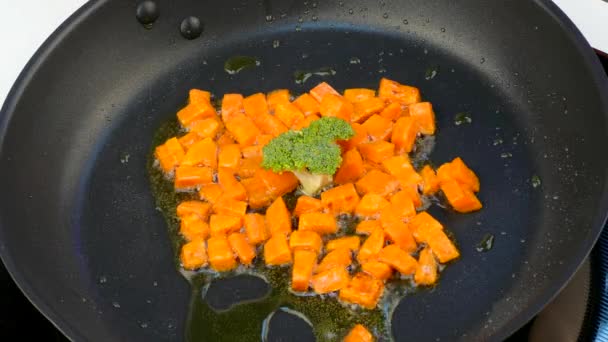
312	183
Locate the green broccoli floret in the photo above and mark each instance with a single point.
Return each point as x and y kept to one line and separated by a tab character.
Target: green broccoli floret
311	153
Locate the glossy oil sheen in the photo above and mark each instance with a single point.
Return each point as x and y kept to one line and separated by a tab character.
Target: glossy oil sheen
77	208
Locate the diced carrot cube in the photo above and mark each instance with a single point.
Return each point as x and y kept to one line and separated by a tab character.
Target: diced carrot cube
255	228
288	113
241	247
377	269
232	104
372	246
210	192
423	225
341	258
199	208
401	236
414	195
401	208
458	171
377	182
321	223
359	334
229	156
377	151
359	94
202	153
278	218
342	199
404	134
277	97
365	108
401	168
305	239
252	152
426	271
307	204
229	206
206	128
360	137
394	92
269	124
298	125
193	227
198	96
378	127
307	104
170	154
398	259
304	262
460	197
224	224
322	89
255	105
257	193
231	187
248	167
194	112
194	254
336	106
441	245
364	290
423	115
351	168
430	181
242	128
221	256
189	139
392	112
367	227
371	205
225	139
347	242
330	280
277	184
276	250
187	177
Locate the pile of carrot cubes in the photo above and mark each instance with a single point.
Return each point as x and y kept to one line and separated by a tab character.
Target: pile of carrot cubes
241	210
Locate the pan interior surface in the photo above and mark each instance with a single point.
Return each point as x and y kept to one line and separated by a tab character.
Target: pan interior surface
80	232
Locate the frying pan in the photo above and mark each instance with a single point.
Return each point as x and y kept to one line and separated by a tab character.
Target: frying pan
78	228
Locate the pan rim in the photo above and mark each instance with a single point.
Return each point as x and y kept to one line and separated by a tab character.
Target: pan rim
50	44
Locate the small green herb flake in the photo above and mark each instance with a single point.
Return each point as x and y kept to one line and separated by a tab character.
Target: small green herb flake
462	118
431	72
486	243
236	64
535	181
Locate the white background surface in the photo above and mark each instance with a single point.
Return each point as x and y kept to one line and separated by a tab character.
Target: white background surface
20	41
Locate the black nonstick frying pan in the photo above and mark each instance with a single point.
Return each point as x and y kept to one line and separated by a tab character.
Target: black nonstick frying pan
78	227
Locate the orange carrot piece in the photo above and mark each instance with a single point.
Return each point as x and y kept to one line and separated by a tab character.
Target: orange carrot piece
360	137
277	184
458	171
248	167
336	106
363	290
306	204
187	177
341	258
426	271
199	208
404	134
330	280
202	153
392	112
241	247
257	194
269	124
371	205
443	248
255	105
232	104
401	206
377	182
300	124
460	197
322	89
430	181
194	254
225	139
242	128
377	151
210	192
401	236
194	112
378	127
170	154
398	259
188	140
321	223
288	113
423	225
377	269
277	97
229	206
278	218
359	334
423	115
342	199
367	227
304	262
305	239
206	128
229	156
198	96
395	92
276	250
221	256
347	242
359	94
351	168
414	195
231	187
255	228
224	224
401	168
365	108
372	246
252	152
193	227
307	104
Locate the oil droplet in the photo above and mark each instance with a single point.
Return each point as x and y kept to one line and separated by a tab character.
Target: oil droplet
116	305
314	5
462	118
443	29
143	325
236	64
191	28
146	13
385	16
505	155
276	43
535	181
486	243
298	28
431	72
350	11
382	71
341	3
315	18
300	20
269	18
354	60
301	77
103	280
482	60
405	21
